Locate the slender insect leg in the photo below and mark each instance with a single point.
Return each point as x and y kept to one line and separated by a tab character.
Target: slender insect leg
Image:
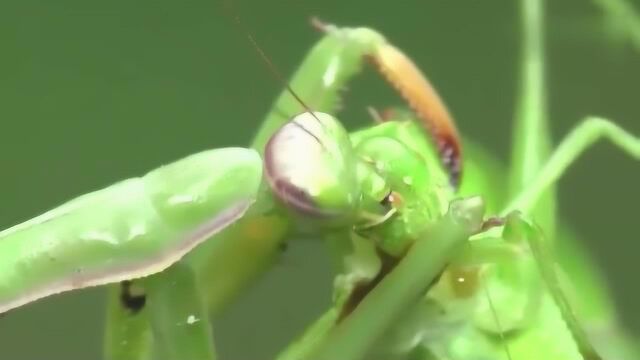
502	275
178	314
521	231
513	271
523	242
375	115
622	19
580	139
170	303
127	333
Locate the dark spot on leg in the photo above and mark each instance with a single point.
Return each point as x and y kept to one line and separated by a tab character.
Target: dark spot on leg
132	298
283	247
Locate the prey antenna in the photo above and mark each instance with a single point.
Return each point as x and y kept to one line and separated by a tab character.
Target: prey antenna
496	318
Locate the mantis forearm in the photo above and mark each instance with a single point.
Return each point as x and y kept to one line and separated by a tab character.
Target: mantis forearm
320	79
132	229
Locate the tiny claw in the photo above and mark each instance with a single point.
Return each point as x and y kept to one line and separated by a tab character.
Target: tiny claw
388	114
468	212
375	115
414	87
491	222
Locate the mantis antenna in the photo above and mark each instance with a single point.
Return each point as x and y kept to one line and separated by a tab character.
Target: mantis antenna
270	65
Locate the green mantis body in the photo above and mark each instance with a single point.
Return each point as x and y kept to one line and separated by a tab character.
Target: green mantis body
345	180
193	212
128	222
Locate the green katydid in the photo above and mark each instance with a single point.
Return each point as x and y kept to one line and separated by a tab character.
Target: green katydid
376	216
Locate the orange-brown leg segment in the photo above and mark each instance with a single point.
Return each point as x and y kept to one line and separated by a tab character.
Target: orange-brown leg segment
402	73
412	85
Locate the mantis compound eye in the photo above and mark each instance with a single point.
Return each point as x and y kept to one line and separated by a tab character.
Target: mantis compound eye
309	164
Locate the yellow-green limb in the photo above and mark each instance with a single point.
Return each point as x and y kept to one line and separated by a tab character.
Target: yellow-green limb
178	315
531	141
546	265
127	332
581	138
624	18
163	316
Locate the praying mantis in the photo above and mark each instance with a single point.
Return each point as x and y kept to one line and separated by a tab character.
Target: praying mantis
376	224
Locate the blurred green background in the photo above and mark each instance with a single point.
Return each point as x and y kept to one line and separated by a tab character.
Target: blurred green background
96	91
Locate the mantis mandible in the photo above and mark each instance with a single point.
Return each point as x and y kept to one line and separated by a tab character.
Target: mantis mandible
375	181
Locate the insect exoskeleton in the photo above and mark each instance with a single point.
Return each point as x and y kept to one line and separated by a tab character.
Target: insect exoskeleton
132	229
